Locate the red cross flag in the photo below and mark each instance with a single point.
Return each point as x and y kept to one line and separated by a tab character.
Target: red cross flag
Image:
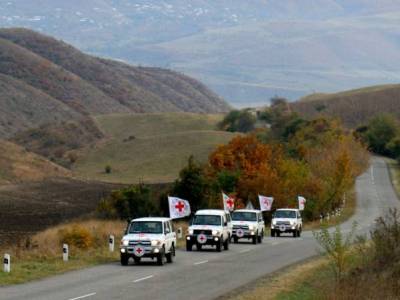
302	202
229	202
178	208
265	202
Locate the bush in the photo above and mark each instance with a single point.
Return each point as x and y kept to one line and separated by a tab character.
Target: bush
76	236
107	169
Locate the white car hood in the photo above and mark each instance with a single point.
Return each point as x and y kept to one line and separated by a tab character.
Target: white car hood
244	223
143	237
285	220
205	227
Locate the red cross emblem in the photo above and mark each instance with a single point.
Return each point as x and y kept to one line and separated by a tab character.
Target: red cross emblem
230	202
139	251
180	206
201	238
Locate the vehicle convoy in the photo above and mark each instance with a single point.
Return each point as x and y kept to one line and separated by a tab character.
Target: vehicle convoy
248	224
286	220
148	238
209	227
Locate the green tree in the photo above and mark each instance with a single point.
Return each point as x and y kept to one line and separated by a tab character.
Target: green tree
381	130
191	185
238	121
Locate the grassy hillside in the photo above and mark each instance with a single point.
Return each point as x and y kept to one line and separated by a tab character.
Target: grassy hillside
149	147
353	107
19	165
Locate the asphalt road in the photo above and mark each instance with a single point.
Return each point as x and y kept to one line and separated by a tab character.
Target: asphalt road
207	274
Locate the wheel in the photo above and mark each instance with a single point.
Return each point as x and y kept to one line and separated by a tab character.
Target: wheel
189	246
170	255
160	259
295	233
278	234
124	260
255	240
219	246
298	233
226	245
272	233
235	239
260	237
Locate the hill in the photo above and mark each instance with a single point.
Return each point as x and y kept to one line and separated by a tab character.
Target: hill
354	107
149	147
79	84
247	53
19	165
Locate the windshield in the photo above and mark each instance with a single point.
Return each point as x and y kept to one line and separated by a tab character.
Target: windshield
244	216
146	227
207	220
285	214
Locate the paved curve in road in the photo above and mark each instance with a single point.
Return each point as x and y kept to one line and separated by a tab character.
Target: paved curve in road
207	274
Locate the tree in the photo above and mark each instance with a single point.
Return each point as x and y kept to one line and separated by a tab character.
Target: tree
238	121
191	185
381	130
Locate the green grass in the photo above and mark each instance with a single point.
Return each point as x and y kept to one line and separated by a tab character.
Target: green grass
159	147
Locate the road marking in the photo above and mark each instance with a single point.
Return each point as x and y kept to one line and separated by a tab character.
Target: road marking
245	250
84	296
200	262
142	279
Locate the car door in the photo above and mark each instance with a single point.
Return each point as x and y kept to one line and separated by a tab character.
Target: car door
229	223
299	220
167	234
261	223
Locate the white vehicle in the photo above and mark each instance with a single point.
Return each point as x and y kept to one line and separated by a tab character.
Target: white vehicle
209	227
148	238
248	224
286	220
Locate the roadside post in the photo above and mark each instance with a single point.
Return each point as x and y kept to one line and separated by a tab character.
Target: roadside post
180	233
65	252
111	243
7	263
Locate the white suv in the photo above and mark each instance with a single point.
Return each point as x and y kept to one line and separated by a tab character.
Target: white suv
209	227
148	237
287	220
248	224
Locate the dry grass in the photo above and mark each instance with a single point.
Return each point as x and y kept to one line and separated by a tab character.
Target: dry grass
283	281
394	171
41	256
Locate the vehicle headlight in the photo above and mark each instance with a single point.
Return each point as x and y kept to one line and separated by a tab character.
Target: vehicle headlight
155	243
273	222
124	242
251	227
215	232
190	231
292	223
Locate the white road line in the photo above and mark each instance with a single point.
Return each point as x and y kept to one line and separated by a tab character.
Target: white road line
84	296
200	262
245	250
142	279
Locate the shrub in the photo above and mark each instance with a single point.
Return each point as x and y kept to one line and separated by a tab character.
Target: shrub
76	236
107	169
337	247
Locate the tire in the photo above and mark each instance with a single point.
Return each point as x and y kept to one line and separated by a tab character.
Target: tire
160	259
260	237
170	255
219	246
235	239
295	233
226	245
255	240
272	233
189	246
278	234
124	260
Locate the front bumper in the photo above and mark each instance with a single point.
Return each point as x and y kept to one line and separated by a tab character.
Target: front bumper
246	234
210	240
284	228
149	251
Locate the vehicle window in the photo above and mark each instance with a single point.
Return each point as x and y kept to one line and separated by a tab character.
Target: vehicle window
298	214
244	216
285	214
228	218
166	228
260	218
171	226
146	227
207	220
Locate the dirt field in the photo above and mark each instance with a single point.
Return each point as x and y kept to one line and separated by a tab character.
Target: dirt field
31	207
